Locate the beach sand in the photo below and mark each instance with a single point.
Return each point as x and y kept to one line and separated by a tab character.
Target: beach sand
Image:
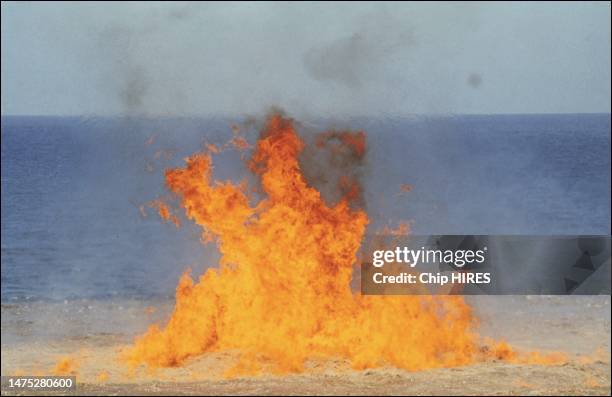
89	335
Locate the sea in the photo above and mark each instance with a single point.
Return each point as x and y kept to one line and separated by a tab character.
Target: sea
76	224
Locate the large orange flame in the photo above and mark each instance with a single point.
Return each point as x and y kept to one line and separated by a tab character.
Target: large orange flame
282	292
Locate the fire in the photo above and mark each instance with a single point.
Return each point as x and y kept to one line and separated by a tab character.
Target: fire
164	212
503	351
281	294
102	377
65	366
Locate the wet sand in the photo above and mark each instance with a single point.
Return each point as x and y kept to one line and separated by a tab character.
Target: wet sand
91	334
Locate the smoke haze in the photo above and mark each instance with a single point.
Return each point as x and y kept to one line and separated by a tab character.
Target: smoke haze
371	59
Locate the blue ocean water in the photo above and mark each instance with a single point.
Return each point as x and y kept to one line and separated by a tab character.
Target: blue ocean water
72	188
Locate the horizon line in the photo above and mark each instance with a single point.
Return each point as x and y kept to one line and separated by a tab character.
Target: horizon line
385	115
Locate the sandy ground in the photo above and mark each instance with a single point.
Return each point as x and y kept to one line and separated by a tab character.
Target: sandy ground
36	336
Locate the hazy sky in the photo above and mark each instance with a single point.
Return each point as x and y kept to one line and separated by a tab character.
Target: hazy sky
311	59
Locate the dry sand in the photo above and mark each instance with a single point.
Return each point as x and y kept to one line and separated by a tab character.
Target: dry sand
92	333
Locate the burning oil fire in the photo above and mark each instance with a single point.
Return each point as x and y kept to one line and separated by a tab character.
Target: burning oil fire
281	293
